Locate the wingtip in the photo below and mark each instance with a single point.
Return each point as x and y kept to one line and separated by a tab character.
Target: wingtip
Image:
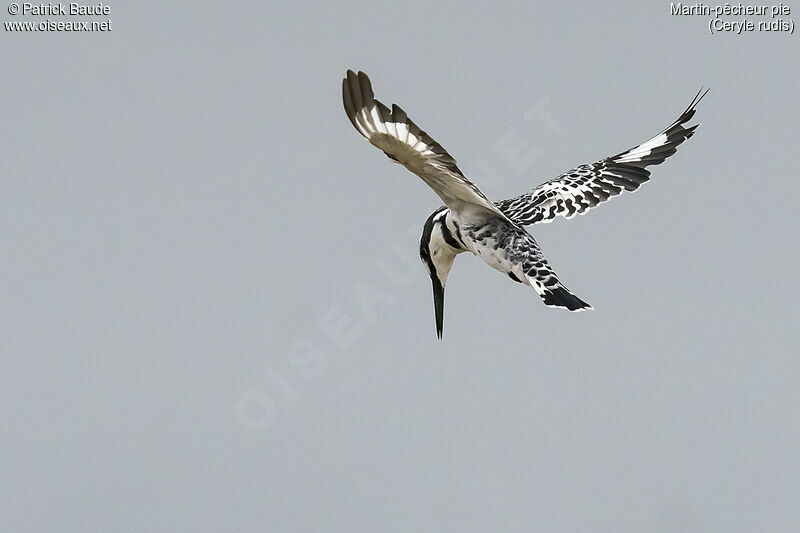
356	73
702	95
697	98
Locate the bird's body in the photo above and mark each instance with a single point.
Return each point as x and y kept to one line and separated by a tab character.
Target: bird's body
494	231
504	247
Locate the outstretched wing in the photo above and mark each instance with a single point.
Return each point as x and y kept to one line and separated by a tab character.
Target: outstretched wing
580	189
404	142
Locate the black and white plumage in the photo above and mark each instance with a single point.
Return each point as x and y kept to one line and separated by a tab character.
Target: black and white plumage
584	187
494	231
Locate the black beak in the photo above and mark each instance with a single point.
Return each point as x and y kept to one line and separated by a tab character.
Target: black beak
438	304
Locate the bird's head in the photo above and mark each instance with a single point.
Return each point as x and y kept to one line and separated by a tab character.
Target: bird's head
438	257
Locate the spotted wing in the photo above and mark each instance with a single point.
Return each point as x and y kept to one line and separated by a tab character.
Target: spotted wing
543	279
512	250
404	142
584	187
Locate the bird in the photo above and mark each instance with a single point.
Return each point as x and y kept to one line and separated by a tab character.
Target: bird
495	231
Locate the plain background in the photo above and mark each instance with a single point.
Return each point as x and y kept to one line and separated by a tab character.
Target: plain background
214	317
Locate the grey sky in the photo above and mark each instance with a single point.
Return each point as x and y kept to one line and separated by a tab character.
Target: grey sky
214	319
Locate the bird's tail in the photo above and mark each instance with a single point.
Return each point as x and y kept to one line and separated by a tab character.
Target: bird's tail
559	296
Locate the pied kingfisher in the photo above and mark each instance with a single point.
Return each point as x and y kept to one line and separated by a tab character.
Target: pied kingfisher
494	230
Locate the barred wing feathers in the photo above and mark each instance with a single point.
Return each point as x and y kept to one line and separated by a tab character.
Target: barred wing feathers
586	186
404	142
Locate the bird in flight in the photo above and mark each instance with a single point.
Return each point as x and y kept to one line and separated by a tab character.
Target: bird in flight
494	231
